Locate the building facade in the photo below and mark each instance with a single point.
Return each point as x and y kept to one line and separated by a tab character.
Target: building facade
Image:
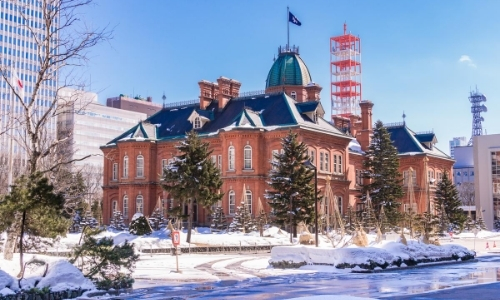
487	178
457	142
244	130
145	106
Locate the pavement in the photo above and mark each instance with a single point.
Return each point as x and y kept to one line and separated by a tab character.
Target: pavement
490	291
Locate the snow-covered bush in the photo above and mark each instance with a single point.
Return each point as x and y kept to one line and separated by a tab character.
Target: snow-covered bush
140	225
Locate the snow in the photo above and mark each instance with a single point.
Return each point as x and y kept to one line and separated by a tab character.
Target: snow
7	282
62	276
136	216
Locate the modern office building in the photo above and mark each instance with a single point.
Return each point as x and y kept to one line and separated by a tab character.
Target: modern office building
457	142
487	177
463	169
20	23
92	124
137	104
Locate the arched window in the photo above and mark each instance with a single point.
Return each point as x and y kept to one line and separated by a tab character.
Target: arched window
140	166
125	166
232	202
293	94
248	201
339	203
247	157
197	123
114	206
231	157
125	207
139	204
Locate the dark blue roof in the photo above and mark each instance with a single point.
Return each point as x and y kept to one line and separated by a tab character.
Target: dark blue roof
425	137
402	139
307	106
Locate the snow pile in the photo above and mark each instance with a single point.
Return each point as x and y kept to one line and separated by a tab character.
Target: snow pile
388	254
7	283
62	276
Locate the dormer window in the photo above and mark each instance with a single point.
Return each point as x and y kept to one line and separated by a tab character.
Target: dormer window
197	123
293	94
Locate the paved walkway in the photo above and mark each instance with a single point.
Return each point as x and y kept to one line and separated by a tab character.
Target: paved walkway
490	291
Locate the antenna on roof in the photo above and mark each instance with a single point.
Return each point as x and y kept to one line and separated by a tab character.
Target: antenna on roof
404	117
164	98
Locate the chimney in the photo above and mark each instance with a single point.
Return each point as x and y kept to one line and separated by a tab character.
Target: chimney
366	131
207	93
354	124
313	92
340	122
224	91
235	88
149	99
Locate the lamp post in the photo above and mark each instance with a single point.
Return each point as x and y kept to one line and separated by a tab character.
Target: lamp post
310	165
291	213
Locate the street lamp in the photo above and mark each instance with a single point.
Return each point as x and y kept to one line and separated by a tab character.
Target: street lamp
310	165
291	213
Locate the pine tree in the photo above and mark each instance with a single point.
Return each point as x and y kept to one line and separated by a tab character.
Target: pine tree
448	205
117	221
242	220
292	181
426	226
40	209
381	165
193	176
219	220
368	220
140	225
157	219
383	223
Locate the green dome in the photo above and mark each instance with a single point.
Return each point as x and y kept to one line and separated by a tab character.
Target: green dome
288	69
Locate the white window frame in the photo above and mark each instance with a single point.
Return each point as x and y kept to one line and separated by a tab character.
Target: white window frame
139	204
231	202
293	94
321	161
115	172
327	162
248	201
197	123
125	207
339	204
114	207
312	156
214	159
231	158
247	157
139	166
274	159
219	162
125	166
164	164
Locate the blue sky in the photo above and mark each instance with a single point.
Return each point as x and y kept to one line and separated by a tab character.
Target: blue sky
411	52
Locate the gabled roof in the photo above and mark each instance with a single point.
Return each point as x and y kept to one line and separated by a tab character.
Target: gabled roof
265	112
408	142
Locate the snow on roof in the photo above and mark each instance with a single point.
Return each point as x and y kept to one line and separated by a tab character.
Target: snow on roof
355	146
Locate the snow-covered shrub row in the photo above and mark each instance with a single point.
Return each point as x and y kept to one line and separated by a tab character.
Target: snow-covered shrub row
389	254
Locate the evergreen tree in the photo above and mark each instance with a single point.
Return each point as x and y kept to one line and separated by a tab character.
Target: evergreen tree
219	220
117	221
193	176
242	220
381	165
448	205
39	208
157	219
383	223
426	226
292	181
368	220
140	225
262	220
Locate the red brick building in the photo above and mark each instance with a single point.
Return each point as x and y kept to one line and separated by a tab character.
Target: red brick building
244	130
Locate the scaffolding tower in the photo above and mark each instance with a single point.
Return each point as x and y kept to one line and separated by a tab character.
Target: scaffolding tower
345	70
476	109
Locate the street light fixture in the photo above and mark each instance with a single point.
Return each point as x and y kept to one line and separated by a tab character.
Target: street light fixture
310	165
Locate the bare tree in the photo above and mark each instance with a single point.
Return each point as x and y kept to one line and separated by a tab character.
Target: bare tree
466	193
61	41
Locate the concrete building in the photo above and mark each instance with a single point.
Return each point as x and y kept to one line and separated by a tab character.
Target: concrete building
487	177
137	104
457	142
245	130
463	169
92	124
19	57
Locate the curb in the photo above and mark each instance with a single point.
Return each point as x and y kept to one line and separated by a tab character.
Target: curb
417	266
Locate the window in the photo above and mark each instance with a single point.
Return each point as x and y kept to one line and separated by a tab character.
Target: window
219	162
231	158
439	176
293	94
115	171
406	178
359	177
232	202
321	161
312	156
214	159
197	123
125	166
339	203
458	173
139	204
275	159
125	207
114	206
430	176
140	166
327	162
248	201
164	164
247	157
465	173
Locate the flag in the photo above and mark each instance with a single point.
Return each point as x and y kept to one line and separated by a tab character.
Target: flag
293	19
17	84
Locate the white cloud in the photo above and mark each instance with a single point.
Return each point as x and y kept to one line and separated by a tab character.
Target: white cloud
467	60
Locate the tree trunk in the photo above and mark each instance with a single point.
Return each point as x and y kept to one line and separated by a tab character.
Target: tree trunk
10	244
190	221
21	250
294	228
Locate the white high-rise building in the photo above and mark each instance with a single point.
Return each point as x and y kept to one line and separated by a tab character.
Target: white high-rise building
457	142
20	22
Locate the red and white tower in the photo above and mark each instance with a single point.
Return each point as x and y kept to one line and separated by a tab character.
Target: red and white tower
345	73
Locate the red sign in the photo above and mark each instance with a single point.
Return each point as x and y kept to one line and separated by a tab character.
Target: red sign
176	238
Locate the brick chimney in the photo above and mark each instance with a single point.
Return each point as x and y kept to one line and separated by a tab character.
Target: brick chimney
340	122
313	91
364	137
208	92
354	124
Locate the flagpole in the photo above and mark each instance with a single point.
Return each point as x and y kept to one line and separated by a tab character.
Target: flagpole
287	28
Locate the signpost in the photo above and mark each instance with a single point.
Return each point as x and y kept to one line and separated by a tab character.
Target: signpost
176	240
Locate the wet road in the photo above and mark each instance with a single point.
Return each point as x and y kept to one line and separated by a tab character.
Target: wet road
415	284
